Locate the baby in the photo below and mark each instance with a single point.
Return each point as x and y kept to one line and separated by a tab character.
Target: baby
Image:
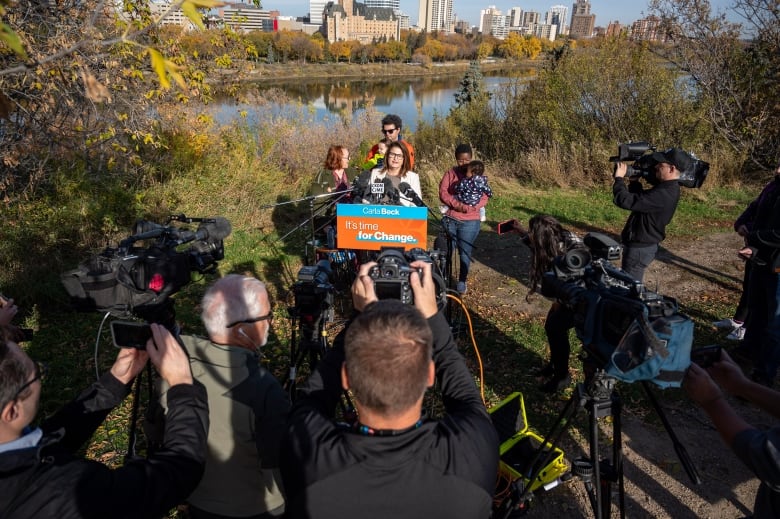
378	160
471	188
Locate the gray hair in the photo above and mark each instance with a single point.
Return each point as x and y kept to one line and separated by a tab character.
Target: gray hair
232	298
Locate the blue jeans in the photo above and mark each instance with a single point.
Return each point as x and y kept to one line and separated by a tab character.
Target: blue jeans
464	233
762	328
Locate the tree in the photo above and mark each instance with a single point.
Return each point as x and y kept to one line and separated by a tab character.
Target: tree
736	80
470	86
76	90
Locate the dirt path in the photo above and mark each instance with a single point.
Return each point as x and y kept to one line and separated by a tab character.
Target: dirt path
656	484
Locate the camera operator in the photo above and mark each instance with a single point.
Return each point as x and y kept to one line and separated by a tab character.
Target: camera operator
762	335
40	473
394	462
651	210
758	449
248	407
547	240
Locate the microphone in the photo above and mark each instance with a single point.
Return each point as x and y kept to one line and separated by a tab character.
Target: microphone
410	194
390	192
214	229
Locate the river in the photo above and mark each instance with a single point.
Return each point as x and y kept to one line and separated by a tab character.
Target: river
413	98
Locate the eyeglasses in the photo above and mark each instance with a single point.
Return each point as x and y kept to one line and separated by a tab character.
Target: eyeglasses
40	373
267	317
398	156
391	130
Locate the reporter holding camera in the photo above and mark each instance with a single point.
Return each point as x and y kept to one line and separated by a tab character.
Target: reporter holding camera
42	476
547	240
758	449
651	210
393	462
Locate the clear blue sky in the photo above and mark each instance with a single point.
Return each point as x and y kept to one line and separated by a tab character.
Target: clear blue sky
626	11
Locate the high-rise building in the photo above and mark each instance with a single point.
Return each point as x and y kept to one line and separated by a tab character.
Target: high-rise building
557	15
389	4
491	21
582	21
515	17
436	15
316	8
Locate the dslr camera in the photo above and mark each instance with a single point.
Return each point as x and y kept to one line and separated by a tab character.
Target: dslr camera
640	153
391	274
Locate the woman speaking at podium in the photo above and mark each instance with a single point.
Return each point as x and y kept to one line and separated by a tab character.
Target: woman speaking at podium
396	169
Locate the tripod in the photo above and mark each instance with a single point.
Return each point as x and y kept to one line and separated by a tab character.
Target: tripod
599	397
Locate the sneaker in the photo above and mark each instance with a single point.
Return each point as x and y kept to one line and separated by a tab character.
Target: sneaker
737	334
726	324
555	384
461	288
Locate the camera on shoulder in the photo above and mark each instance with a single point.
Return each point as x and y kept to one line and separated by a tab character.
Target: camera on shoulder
641	154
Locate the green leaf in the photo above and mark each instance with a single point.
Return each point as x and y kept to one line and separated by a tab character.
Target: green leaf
10	38
158	64
191	12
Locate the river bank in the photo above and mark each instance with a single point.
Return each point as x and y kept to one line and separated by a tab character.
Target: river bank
265	72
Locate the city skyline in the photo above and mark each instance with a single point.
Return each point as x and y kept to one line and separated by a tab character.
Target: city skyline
605	10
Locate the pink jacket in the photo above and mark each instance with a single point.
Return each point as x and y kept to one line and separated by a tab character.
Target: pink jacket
457	209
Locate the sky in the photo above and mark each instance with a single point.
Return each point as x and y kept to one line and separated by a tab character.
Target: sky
625	11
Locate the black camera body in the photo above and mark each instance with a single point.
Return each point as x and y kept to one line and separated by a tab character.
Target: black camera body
641	154
132	280
392	271
314	292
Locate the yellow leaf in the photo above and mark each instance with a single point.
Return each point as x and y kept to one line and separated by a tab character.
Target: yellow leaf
158	64
191	12
10	38
208	4
173	69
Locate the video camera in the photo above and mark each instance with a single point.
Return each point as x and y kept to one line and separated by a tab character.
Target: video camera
635	334
641	153
391	274
131	279
313	293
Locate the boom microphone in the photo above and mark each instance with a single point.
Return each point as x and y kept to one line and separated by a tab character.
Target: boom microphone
410	194
214	229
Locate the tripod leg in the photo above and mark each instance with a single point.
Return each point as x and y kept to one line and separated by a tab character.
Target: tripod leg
553	436
617	452
679	448
596	493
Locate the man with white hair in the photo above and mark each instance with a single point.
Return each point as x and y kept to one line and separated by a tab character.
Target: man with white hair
248	406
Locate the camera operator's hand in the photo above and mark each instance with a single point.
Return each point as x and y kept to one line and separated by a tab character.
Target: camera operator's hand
517	227
424	289
128	364
8	311
700	386
363	291
620	169
168	356
728	374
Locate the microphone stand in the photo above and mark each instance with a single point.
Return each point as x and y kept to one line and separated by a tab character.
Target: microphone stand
313	212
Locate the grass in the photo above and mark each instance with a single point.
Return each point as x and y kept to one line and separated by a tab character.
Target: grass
246	172
508	344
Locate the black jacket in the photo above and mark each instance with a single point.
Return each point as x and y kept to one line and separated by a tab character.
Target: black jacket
651	210
443	468
49	480
764	236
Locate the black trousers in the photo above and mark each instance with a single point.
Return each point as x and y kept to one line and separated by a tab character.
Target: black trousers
560	320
